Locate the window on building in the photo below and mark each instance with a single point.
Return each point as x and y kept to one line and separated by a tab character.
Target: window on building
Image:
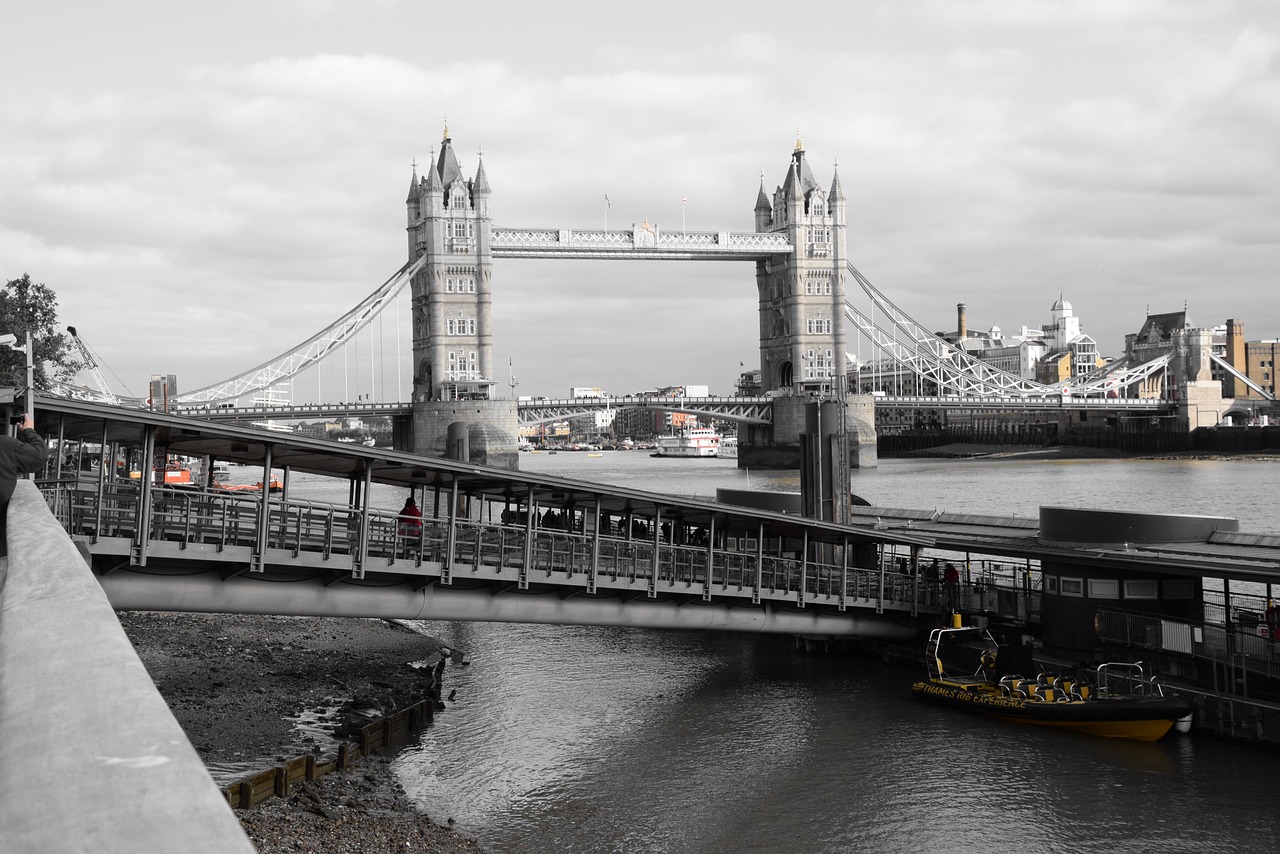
1104	588
1073	587
1140	589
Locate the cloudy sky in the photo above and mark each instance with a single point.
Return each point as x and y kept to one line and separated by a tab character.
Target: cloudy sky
206	185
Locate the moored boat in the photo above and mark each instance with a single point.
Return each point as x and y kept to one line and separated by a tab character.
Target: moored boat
1114	700
729	447
698	442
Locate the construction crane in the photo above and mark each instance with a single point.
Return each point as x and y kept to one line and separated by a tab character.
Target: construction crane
92	364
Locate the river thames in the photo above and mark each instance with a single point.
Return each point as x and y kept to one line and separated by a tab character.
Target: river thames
613	740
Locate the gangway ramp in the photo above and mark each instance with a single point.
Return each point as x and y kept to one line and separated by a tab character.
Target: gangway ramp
495	545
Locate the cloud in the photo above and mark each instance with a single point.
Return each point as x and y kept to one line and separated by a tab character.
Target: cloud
242	197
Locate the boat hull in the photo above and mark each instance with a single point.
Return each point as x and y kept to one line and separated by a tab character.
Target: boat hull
1145	718
693	443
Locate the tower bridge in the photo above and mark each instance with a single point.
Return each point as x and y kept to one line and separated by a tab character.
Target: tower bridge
801	262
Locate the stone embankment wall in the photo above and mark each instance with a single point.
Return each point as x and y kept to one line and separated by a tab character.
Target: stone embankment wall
93	757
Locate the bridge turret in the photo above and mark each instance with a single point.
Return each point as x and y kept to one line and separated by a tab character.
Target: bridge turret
480	192
792	192
764	210
413	212
433	191
835	198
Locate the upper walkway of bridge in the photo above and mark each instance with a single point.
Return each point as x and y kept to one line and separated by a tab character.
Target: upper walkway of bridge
641	242
740	409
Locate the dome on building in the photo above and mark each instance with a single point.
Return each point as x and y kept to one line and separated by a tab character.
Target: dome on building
1061	305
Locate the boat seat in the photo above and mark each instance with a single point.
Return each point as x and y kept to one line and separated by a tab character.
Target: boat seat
1014	686
1068	690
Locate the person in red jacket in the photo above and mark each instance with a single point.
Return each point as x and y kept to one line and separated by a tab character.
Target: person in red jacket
951	584
409	523
19	454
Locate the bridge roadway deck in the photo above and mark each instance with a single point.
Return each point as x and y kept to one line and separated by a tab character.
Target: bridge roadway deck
748	410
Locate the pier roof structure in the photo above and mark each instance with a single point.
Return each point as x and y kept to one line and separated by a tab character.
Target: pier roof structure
1223	553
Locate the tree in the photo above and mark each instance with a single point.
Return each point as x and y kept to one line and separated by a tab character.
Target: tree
27	306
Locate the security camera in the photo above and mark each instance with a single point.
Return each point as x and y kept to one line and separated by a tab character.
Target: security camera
8	339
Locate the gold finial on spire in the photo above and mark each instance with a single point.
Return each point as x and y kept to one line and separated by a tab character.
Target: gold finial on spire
799	144
446	127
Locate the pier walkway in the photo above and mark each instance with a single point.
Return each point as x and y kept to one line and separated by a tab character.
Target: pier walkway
509	546
493	545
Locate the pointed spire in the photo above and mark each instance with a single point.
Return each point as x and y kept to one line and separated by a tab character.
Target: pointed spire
793	186
447	165
762	201
837	191
799	144
481	184
413	183
434	184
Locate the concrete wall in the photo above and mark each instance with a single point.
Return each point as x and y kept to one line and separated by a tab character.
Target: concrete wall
781	449
93	758
492	429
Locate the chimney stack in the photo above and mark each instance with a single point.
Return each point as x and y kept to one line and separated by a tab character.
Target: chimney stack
1236	358
962	325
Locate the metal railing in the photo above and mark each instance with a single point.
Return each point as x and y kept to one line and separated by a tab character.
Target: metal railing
1219	645
228	523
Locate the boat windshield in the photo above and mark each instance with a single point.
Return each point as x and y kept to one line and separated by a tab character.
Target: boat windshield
958	652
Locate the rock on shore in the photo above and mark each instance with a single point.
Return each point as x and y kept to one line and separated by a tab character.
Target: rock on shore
252	691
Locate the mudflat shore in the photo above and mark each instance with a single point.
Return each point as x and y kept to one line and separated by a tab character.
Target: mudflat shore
254	691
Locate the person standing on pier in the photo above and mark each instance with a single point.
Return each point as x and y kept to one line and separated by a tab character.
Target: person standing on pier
19	454
951	583
410	520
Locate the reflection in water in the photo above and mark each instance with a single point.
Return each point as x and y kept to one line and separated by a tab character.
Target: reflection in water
583	739
617	740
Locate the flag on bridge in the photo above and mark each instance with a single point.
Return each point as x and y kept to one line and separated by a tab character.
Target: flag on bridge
606	200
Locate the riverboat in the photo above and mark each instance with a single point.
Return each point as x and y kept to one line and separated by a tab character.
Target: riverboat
729	447
698	442
1113	700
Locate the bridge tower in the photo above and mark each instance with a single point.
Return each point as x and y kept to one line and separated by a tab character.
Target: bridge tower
803	351
802	338
449	221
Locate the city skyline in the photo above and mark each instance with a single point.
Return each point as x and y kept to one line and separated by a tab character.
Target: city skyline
203	188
